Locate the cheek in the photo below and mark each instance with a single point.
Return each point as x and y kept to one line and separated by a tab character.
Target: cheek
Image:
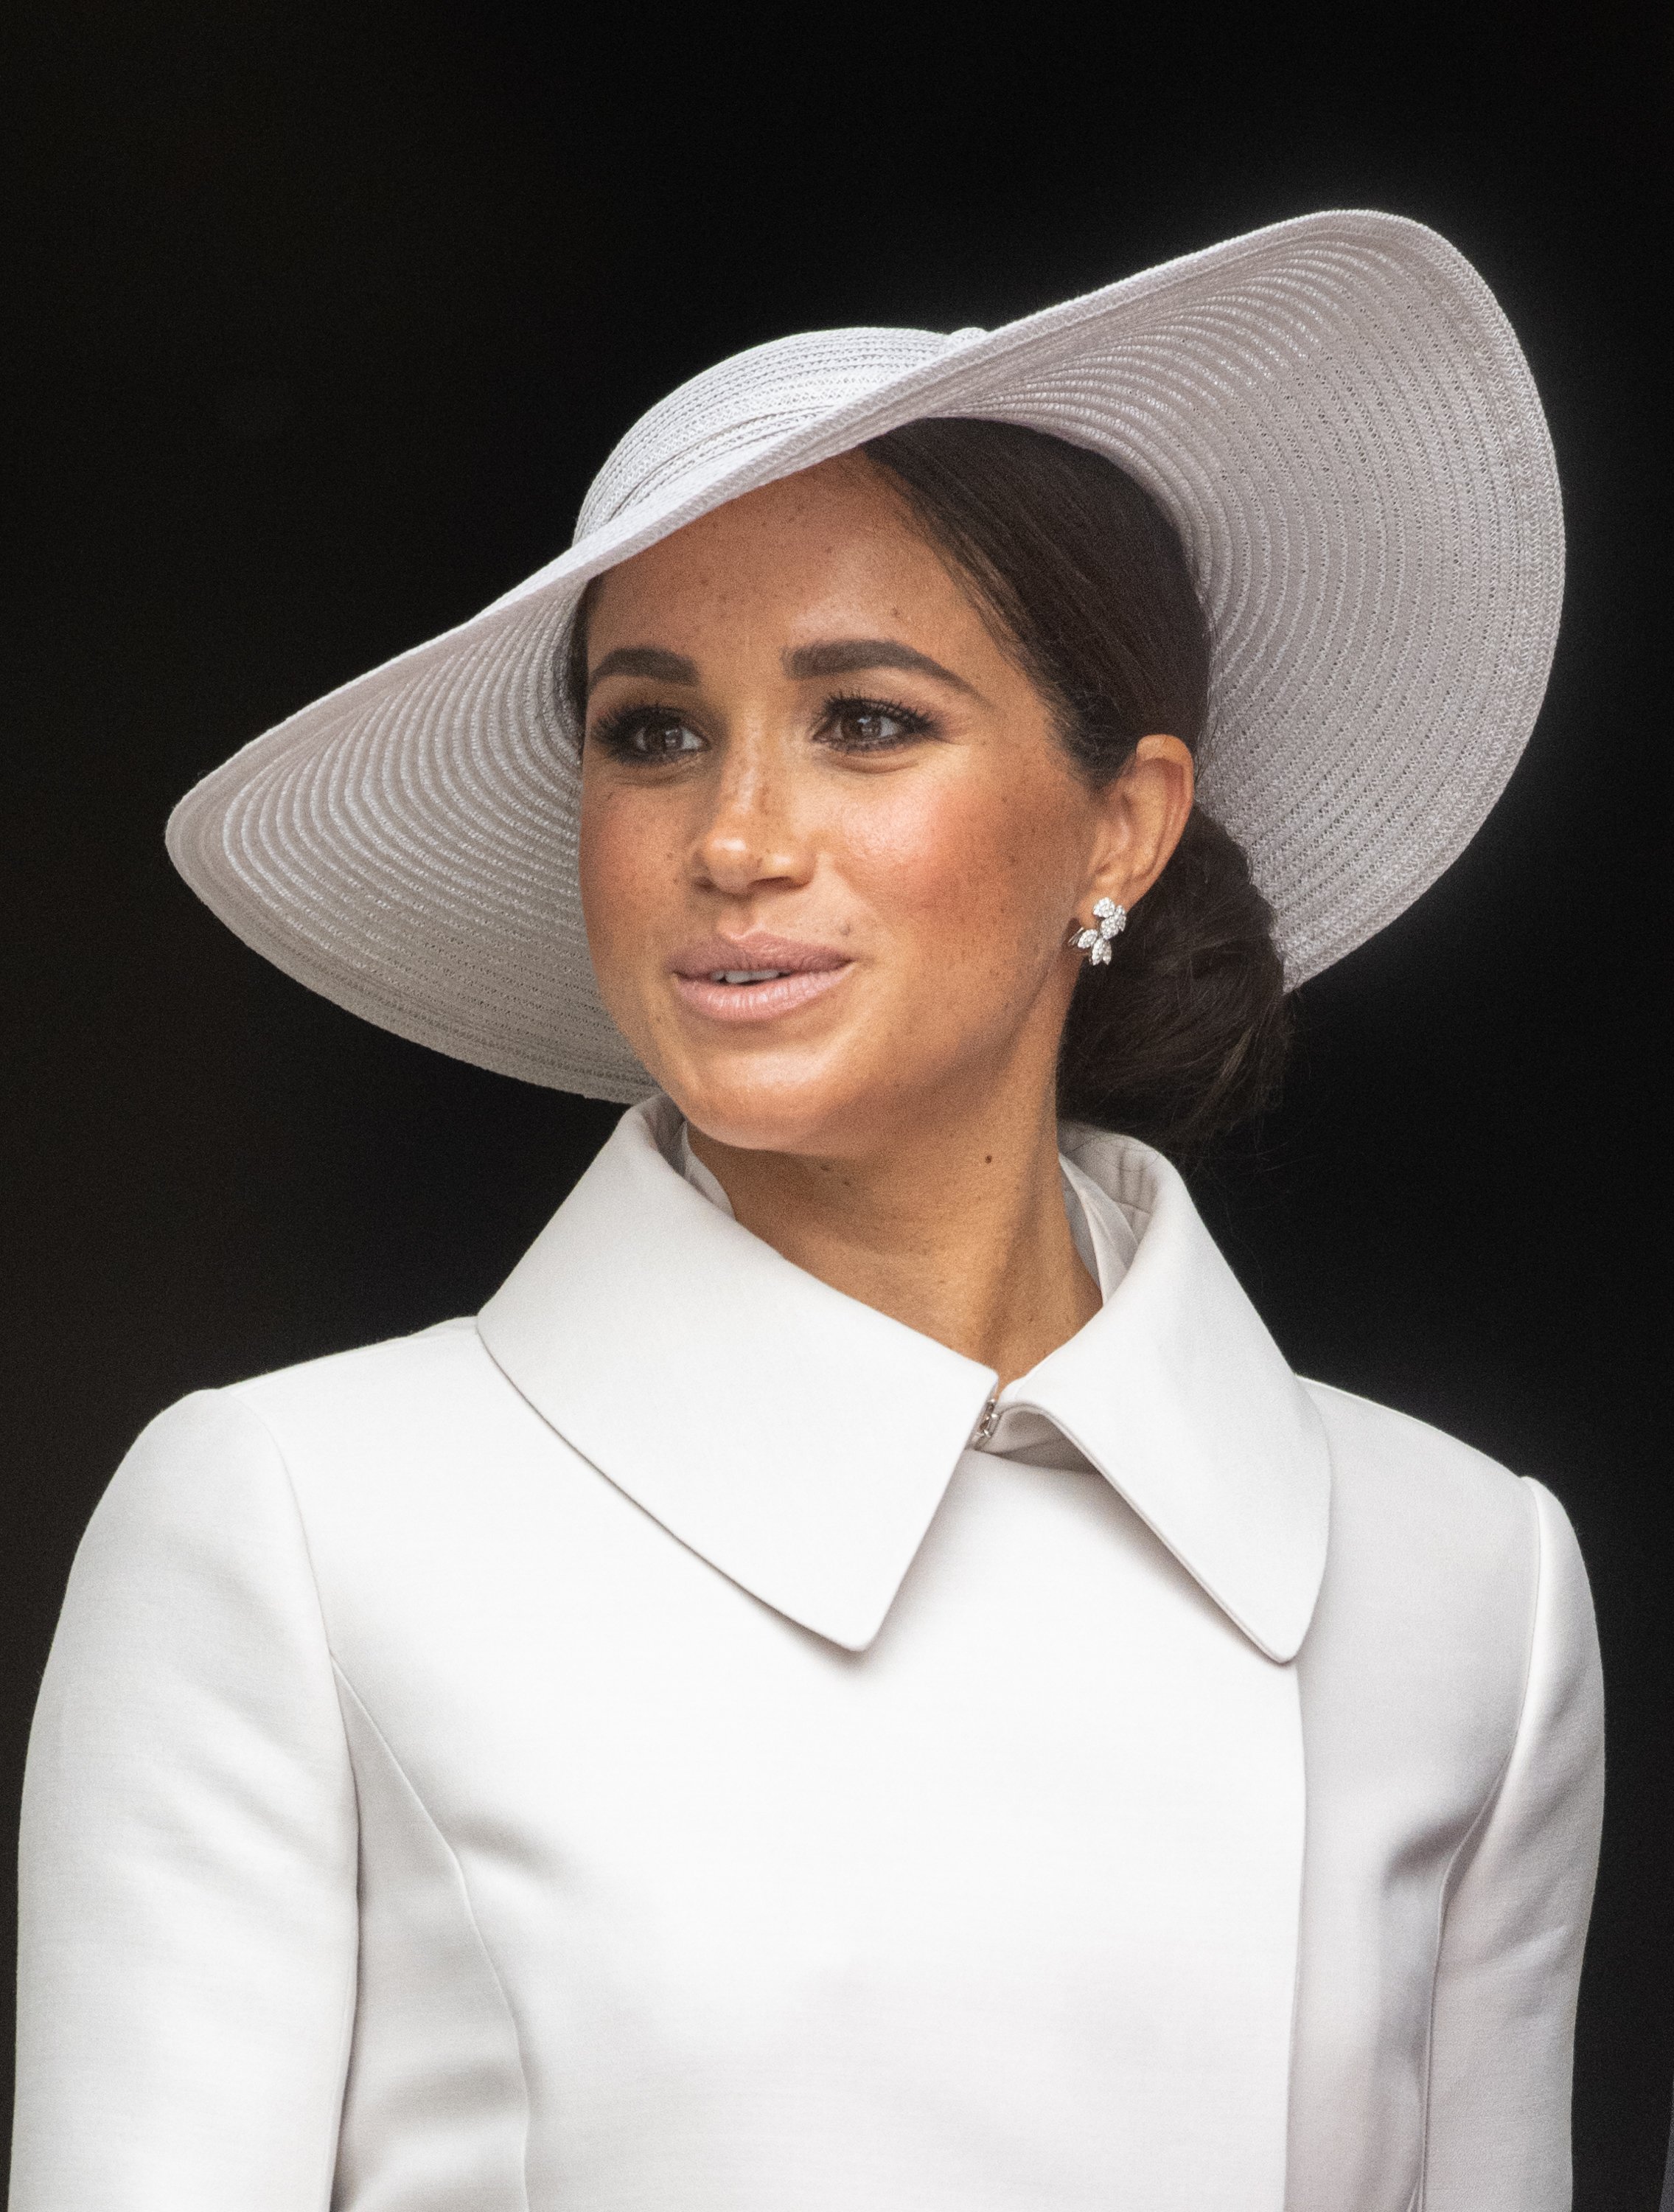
963	865
625	867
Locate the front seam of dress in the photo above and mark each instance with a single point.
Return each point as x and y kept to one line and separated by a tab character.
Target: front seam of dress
453	1857
1484	1814
1295	1665
435	1827
351	1995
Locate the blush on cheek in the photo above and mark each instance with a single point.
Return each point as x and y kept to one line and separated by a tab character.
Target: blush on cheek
913	857
957	889
627	874
599	870
959	867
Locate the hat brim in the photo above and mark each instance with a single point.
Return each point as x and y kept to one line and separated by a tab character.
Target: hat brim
1337	416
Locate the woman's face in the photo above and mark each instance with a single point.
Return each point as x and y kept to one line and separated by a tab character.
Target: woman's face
831	847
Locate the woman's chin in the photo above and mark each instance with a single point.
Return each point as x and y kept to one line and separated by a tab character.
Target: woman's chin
776	1102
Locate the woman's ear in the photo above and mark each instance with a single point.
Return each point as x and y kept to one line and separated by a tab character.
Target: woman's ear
1142	813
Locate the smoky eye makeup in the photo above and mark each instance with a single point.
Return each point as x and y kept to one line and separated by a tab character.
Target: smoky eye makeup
854	722
647	734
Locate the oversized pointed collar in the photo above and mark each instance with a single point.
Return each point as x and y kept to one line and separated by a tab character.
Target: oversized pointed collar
801	1442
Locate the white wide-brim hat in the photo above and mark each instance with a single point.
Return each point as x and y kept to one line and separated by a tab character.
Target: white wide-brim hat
1334	411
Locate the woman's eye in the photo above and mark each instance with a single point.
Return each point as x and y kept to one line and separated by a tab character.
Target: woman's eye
872	724
641	736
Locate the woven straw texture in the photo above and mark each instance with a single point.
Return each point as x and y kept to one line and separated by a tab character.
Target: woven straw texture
1334	410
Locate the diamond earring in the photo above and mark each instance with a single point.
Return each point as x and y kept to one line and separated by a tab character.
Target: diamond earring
1110	921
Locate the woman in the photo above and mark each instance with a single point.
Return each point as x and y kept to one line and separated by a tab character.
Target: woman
862	1678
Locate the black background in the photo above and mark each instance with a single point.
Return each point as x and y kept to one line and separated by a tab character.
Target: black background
322	317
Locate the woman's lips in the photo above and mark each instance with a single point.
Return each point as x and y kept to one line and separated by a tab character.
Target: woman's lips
756	979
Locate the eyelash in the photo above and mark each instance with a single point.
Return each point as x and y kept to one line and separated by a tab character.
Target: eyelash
613	732
913	723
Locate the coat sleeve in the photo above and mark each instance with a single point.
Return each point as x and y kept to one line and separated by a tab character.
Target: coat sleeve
187	1961
1501	2043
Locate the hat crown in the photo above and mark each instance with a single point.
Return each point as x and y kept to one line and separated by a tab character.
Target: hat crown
756	399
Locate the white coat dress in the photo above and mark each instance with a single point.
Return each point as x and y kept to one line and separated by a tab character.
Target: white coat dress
630	1753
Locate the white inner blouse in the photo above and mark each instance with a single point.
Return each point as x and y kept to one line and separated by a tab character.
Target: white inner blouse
1105	1241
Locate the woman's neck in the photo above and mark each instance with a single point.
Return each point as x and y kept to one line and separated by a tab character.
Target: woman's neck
956	1228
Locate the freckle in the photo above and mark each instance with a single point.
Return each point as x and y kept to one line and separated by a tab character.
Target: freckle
988	1159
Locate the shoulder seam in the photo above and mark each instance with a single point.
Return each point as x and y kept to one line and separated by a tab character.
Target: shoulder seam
232	1391
1314	1384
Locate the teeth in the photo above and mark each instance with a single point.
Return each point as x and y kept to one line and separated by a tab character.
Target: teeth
746	975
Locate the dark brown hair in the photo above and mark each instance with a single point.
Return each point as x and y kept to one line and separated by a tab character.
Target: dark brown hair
1184	1035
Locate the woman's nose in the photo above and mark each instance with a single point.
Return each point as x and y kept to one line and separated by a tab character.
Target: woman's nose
752	834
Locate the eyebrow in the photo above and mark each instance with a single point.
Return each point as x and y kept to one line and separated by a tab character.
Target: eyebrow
650	661
842	656
845	656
